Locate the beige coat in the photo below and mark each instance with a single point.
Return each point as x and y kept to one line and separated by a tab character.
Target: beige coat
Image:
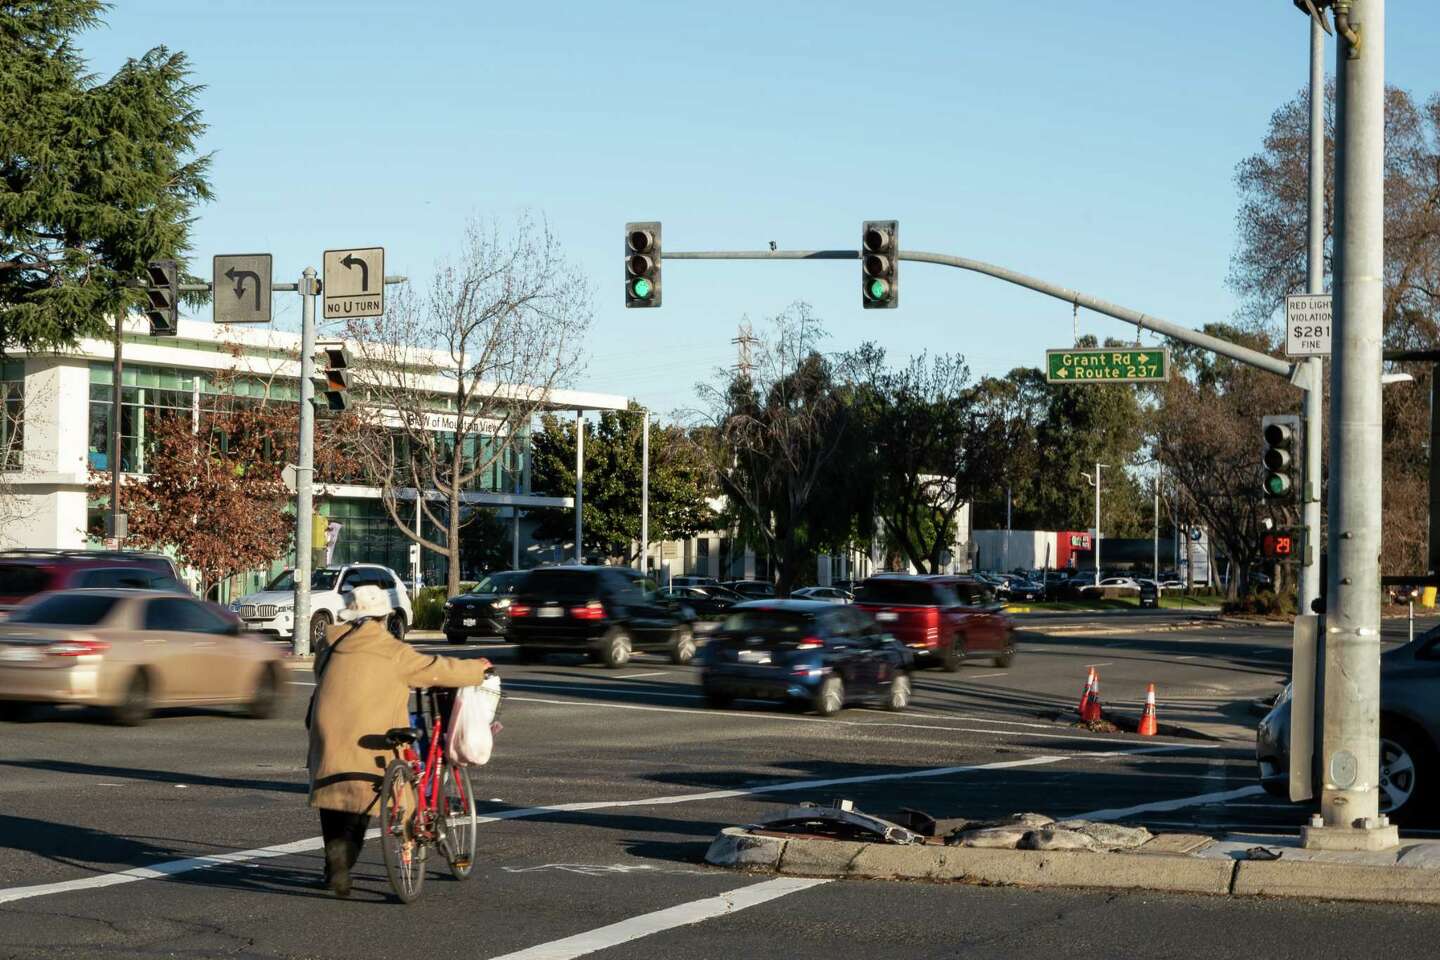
364	690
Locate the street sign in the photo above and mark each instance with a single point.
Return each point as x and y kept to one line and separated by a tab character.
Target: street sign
354	283
1307	325
241	284
1111	365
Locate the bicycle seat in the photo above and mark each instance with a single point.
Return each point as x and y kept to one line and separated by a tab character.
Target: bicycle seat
398	735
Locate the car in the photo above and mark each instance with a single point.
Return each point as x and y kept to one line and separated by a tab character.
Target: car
693	581
1021	588
1119	583
942	619
704	601
804	651
272	610
607	613
1149	594
483	610
751	589
825	594
130	651
27	573
1409	735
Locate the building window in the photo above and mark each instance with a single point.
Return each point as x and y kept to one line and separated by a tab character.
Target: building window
12	414
146	395
702	556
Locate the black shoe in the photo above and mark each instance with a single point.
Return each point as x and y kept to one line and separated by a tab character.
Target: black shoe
337	868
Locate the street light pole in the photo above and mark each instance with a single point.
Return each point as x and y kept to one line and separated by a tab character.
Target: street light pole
304	470
645	494
1314	404
1349	815
1095	482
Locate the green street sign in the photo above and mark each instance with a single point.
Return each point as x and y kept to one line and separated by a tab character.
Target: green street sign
1111	365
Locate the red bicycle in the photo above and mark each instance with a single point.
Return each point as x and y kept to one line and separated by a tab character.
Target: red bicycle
425	802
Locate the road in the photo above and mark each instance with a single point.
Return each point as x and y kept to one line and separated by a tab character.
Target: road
606	789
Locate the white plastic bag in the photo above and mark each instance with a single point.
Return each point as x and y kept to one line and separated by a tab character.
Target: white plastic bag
472	724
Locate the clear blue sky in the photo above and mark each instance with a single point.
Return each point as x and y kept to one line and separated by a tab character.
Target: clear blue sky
1092	144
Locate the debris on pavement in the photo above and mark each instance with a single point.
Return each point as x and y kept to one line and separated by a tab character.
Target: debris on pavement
840	821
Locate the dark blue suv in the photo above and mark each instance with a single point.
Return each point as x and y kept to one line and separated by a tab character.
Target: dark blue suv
804	651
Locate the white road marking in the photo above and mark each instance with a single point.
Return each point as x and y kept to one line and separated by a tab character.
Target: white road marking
636	676
1164	806
646	924
597	688
301	683
986	676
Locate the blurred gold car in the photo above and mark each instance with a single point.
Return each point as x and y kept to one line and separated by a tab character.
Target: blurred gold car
132	651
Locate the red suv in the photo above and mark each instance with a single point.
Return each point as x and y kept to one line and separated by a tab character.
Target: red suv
943	619
24	573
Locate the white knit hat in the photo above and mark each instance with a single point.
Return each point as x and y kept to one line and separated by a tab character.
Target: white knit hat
366	600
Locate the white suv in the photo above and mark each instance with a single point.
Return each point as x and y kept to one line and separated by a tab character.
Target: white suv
272	610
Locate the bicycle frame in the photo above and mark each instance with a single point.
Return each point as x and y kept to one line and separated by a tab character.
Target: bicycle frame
429	772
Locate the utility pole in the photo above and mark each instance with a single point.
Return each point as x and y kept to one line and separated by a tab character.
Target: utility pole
579	486
116	525
1008	502
1095	482
645	494
1155	559
304	503
1314	405
1349	815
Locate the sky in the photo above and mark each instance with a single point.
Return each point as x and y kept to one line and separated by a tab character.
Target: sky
1089	144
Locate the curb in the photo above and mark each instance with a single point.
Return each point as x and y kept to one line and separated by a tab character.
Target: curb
1156	870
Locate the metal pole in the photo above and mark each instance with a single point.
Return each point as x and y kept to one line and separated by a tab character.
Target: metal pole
117	524
1350	770
515	511
300	640
1155	559
645	494
1097	524
579	486
1314	411
1008	502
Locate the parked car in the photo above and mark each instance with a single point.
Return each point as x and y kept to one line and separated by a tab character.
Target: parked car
704	601
27	573
804	651
927	614
751	589
1021	588
483	611
272	610
1149	594
693	581
825	594
131	651
1409	734
605	612
1120	583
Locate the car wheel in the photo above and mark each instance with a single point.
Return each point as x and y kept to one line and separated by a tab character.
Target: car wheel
1408	769
455	638
830	698
14	711
954	654
718	699
134	708
318	625
396	625
266	696
1007	658
615	649
899	695
682	646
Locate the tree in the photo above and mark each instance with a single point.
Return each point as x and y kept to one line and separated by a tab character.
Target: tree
96	178
452	377
774	433
922	427
681	485
215	495
1269	263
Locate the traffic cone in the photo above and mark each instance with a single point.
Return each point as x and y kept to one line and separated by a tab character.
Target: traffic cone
1092	712
1086	691
1148	726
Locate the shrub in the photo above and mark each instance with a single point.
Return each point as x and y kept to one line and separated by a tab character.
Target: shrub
430	608
1264	603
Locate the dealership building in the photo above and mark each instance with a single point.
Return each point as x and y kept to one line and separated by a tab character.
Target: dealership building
57	409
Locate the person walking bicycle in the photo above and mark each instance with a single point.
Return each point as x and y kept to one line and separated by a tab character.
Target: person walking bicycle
363	678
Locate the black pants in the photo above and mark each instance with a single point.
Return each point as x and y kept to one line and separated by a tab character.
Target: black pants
344	835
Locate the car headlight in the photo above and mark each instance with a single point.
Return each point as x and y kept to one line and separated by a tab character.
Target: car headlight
503	603
449	604
235	607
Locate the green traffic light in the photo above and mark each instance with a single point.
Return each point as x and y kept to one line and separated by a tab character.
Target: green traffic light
878	289
1277	484
642	289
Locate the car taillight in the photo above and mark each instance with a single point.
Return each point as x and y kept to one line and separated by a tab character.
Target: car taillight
77	648
593	610
811	643
932	626
519	610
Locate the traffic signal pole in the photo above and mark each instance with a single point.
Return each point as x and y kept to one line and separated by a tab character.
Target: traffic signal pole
1314	409
309	287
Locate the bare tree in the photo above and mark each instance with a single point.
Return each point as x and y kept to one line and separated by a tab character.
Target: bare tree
449	377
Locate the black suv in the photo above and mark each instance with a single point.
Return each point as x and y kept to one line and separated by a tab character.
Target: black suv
484	610
605	612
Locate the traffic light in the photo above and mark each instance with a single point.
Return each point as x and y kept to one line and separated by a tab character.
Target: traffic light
880	264
164	293
642	264
334	382
1279	545
1281	453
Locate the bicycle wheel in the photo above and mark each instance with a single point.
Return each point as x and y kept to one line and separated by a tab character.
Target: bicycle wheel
399	834
457	810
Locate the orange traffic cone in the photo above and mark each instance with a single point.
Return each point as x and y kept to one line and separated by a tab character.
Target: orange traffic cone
1086	692
1148	726
1092	712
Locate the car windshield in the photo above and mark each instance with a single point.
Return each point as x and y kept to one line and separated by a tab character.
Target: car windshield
773	624
918	592
67	610
501	584
322	579
560	583
22	579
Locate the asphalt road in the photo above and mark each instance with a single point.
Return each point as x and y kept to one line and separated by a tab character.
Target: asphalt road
608	785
